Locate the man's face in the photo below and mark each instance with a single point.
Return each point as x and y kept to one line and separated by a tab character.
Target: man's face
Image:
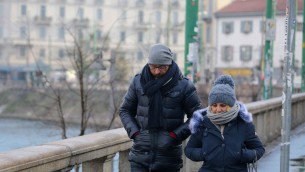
158	70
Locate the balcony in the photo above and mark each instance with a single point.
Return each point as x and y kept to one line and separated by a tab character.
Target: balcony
83	23
42	20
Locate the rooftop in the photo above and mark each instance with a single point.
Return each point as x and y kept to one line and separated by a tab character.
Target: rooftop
253	7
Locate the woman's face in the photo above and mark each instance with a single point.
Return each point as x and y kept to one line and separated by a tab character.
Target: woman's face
220	107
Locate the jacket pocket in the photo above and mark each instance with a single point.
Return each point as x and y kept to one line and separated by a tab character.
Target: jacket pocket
165	141
142	141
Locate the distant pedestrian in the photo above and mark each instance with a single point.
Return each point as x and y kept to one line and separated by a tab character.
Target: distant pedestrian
223	135
153	113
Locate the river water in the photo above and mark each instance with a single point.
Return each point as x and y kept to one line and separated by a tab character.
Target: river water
18	133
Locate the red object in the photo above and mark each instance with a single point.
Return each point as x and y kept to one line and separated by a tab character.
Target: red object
173	135
135	134
193	3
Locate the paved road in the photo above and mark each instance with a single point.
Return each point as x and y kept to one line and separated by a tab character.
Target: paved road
271	160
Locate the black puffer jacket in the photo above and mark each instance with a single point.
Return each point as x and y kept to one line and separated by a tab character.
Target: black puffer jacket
156	148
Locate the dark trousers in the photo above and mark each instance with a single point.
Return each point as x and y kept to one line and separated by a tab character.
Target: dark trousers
135	167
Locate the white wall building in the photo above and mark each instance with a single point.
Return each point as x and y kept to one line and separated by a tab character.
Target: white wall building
241	38
40	31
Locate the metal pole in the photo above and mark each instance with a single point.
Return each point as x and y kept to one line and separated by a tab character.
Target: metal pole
267	56
191	17
303	53
287	91
168	22
201	42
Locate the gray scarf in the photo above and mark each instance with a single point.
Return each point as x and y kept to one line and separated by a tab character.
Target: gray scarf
224	117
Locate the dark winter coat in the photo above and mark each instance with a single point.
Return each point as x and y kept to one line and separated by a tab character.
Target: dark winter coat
231	153
157	149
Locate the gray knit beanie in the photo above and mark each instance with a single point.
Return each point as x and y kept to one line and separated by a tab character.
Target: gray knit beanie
223	91
160	54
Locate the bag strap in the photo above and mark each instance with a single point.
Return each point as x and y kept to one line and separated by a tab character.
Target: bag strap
252	167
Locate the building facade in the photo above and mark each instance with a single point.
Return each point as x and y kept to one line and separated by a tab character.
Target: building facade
241	35
41	35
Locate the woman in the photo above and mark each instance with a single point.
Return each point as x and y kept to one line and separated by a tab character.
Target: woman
223	135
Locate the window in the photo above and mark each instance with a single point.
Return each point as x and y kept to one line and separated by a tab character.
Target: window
140	37
1	32
157	3
158	37
42	32
81	13
81	1
245	53
22	51
208	34
99	2
62	12
158	16
227	27
122	36
175	38
98	34
140	3
23	10
175	18
246	26
175	4
227	53
140	17
140	55
263	26
61	53
99	14
23	32
42	53
61	33
43	11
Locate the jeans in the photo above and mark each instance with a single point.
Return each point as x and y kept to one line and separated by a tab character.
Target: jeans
135	167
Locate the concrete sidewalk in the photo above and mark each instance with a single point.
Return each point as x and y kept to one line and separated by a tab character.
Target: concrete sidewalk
270	162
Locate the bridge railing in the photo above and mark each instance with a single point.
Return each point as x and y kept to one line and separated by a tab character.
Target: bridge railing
95	152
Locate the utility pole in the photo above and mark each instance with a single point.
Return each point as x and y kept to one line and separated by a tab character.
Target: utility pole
303	53
288	80
191	39
269	38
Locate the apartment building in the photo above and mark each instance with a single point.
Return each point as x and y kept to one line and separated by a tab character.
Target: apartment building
40	35
241	35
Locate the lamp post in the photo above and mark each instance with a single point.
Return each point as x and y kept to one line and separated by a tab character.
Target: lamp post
191	39
303	53
270	36
288	83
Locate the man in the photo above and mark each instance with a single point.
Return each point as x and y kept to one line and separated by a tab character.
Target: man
153	113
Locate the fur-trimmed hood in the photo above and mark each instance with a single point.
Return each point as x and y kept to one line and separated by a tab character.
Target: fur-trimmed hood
200	115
